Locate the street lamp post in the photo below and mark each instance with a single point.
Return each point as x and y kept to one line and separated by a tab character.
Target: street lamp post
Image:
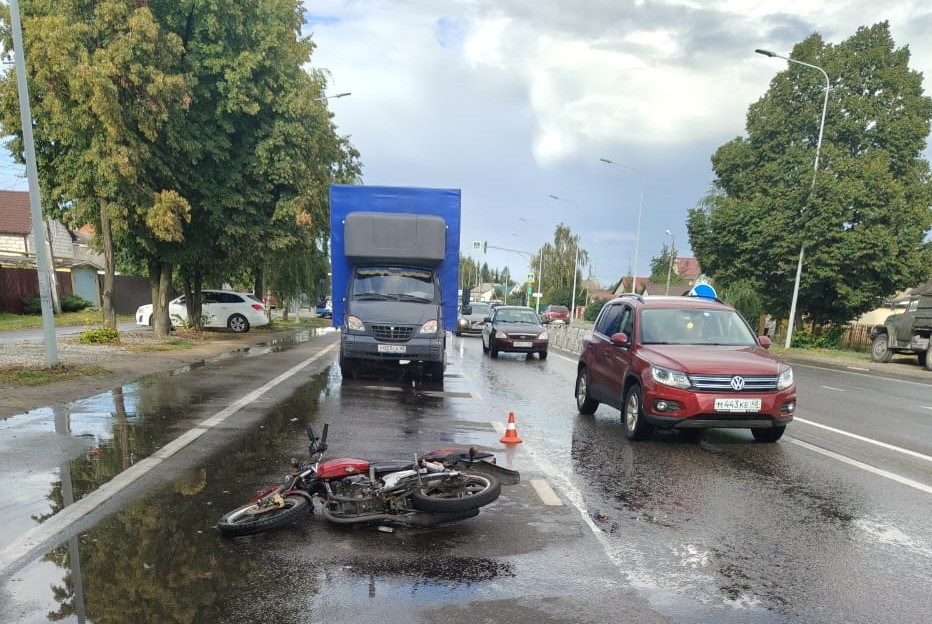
815	170
672	256
637	239
331	97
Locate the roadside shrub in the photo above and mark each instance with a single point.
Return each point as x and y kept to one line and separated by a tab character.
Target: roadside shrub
103	335
593	309
73	303
32	305
69	303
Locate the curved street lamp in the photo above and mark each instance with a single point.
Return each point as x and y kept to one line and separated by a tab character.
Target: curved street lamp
331	97
815	170
637	238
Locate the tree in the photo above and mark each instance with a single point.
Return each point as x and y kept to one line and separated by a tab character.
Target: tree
561	259
103	80
663	265
864	219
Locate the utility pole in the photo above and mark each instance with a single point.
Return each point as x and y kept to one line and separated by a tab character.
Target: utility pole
35	205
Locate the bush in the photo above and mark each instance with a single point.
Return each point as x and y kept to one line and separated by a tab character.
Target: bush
593	309
32	305
103	335
73	303
69	303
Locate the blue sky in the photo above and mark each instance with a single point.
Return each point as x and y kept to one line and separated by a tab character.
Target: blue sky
516	100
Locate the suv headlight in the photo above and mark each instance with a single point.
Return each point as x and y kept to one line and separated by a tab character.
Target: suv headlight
669	377
430	327
354	324
785	380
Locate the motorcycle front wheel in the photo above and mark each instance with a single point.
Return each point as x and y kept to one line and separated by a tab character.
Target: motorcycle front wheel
455	493
253	518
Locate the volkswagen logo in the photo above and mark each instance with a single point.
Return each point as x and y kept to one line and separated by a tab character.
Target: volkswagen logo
737	383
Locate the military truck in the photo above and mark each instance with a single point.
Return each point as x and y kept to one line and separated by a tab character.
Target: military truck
908	331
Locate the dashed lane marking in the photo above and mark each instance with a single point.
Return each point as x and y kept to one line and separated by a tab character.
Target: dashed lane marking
546	493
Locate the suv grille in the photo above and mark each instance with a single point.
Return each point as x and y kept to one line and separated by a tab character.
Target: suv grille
733	383
393	332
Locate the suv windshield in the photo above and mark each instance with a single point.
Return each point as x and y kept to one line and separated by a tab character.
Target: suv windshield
393	283
695	327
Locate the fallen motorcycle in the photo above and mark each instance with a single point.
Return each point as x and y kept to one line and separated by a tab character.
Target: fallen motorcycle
443	486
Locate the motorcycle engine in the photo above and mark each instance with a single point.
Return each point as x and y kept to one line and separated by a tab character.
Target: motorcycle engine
352	496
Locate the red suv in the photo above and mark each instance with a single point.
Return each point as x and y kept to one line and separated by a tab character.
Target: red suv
683	363
555	313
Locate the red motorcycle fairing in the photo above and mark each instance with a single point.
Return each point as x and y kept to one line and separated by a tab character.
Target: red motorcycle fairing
341	467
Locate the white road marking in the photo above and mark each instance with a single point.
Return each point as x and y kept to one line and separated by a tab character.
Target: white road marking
928	407
855	436
835	389
867	467
36	537
546	493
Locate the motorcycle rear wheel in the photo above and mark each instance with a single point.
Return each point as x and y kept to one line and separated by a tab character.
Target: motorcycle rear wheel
461	492
246	520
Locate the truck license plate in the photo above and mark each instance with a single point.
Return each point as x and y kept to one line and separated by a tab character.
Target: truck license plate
389	348
737	405
523	345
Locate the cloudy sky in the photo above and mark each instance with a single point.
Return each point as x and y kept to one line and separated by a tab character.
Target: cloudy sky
516	100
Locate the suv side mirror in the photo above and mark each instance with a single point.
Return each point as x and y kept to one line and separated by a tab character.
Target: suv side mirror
764	341
620	339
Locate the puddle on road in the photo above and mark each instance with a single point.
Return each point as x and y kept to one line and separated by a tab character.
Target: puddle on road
161	555
80	446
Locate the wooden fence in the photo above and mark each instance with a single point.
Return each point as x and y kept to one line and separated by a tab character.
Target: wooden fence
129	292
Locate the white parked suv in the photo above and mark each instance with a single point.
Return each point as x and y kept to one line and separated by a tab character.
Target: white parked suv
221	308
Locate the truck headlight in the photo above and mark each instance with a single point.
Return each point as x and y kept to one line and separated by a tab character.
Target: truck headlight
430	327
669	377
785	380
354	324
501	335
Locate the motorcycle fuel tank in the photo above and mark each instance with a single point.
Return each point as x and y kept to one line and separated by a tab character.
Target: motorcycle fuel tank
341	467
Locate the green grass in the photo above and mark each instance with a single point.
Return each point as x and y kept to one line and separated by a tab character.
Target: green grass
85	318
18	375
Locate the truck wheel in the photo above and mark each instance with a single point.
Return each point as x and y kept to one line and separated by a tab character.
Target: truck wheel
928	362
347	369
923	357
880	348
436	371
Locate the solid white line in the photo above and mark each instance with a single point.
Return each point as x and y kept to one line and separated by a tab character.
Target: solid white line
38	535
857	464
928	407
835	389
546	493
889	447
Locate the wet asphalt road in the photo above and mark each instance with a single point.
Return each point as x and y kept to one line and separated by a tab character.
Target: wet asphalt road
829	525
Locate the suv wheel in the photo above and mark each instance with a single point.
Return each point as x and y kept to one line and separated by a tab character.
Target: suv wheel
768	434
585	404
880	348
636	428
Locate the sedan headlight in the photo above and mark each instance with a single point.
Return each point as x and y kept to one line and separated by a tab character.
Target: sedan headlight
430	327
501	335
544	335
354	324
669	377
785	380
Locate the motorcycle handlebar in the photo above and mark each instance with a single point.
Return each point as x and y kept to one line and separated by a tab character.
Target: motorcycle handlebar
318	445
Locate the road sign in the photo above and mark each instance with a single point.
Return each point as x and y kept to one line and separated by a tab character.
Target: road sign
537	295
529	278
477	245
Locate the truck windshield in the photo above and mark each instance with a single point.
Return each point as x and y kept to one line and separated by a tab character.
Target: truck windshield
393	283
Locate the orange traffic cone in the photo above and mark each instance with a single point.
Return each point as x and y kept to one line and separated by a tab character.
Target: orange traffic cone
511	432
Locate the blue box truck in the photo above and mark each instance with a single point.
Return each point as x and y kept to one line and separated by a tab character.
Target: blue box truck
395	268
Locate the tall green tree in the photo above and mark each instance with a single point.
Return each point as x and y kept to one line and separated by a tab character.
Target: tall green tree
664	265
862	221
104	80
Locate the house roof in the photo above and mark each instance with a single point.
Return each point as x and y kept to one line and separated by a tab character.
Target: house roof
15	215
687	268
